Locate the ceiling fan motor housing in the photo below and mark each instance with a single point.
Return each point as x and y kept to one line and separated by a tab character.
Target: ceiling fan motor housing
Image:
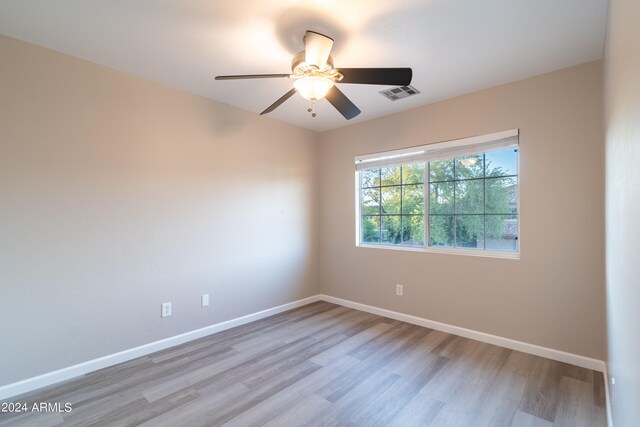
300	67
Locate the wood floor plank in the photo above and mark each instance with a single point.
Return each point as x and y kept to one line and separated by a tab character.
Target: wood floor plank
576	372
576	404
522	419
94	411
406	362
599	398
32	419
226	371
306	349
327	325
540	397
145	412
327	365
600	416
284	401
470	364
470	387
388	339
85	386
163	383
311	408
375	354
199	409
209	344
292	331
502	399
418	413
350	344
238	334
253	397
264	375
94	387
382	410
365	321
349	406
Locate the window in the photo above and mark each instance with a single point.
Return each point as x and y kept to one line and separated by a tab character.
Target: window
457	196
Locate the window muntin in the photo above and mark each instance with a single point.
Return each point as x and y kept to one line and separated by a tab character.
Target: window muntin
473	201
468	201
392	205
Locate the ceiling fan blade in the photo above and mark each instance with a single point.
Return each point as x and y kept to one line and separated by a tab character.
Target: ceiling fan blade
254	76
279	101
317	48
343	104
377	76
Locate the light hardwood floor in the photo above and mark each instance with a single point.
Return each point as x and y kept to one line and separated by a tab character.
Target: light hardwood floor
324	364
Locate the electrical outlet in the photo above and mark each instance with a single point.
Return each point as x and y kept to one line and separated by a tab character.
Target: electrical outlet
205	300
166	309
399	290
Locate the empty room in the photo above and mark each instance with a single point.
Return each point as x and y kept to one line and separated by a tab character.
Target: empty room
320	213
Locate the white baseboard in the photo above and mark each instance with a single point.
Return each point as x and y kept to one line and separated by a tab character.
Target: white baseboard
607	396
50	378
562	356
30	384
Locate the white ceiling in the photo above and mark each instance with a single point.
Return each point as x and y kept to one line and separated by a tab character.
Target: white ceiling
453	46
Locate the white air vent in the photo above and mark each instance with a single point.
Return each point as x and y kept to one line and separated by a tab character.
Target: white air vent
399	92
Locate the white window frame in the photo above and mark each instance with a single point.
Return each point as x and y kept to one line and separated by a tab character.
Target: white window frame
453	148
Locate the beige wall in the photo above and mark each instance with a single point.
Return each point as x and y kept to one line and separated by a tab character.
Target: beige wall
554	295
118	194
622	84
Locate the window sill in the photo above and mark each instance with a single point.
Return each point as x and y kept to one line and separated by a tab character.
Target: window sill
448	251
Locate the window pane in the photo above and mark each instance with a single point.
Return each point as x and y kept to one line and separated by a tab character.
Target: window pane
370	201
441	170
502	195
502	232
441	230
413	199
371	178
391	200
391	231
470	197
441	198
471	166
390	176
470	231
413	230
503	162
370	229
413	174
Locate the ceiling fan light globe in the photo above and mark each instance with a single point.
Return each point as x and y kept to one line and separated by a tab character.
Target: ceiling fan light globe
313	88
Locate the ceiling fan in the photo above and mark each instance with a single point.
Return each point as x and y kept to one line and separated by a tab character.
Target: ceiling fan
315	77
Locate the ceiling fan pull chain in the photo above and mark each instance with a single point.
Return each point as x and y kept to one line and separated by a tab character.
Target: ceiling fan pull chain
312	106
